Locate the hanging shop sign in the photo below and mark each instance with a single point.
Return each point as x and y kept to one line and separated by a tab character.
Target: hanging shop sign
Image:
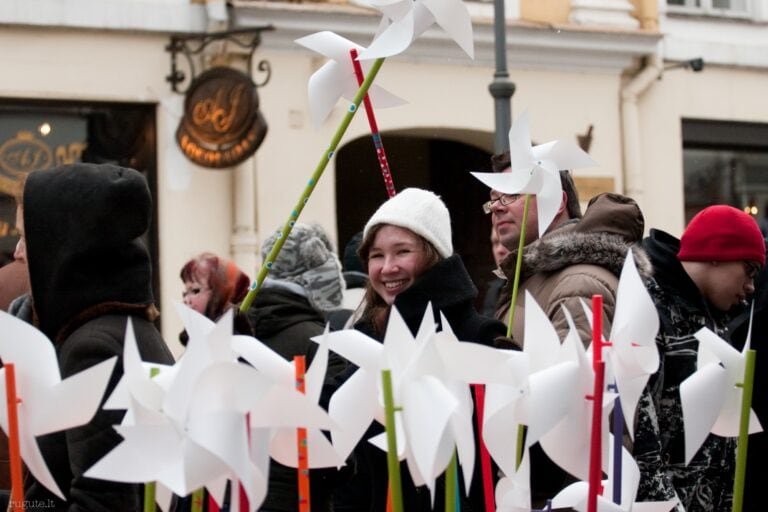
222	125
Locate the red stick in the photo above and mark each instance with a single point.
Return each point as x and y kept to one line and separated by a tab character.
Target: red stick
595	451
301	442
485	457
378	144
17	484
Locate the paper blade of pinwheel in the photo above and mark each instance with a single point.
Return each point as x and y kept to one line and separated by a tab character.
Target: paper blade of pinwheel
196	324
31	352
286	407
501	419
428	327
355	347
523	182
462	427
634	355
71	402
380	440
142	454
565	154
550	395
430	406
194	469
399	344
33	458
549	198
520	151
225	435
283	449
547	349
265	360
701	395
453	16
474	363
715	350
513	493
136	381
394	39
353	408
202	351
314	377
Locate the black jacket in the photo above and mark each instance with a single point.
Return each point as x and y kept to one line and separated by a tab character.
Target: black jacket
89	272
285	322
706	484
451	291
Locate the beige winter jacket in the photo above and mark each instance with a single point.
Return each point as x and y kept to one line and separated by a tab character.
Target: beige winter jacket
573	262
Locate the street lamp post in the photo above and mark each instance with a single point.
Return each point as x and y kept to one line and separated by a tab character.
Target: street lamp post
501	88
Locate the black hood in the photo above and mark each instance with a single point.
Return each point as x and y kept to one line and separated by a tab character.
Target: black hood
276	309
662	249
83	224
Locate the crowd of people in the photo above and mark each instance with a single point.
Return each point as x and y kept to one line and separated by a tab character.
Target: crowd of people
89	271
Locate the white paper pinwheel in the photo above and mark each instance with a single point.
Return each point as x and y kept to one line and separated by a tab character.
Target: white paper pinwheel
199	435
575	495
710	397
47	403
568	443
633	355
430	376
535	170
282	446
336	78
552	386
406	20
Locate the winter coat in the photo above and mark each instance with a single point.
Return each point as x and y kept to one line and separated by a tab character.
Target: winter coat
757	470
705	484
451	291
89	272
578	259
285	322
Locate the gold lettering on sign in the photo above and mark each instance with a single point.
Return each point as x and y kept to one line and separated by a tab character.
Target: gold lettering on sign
220	110
70	154
24	153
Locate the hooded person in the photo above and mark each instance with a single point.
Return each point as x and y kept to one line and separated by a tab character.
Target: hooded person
697	282
304	283
408	250
82	227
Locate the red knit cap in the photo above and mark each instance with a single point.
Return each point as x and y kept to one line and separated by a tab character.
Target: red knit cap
722	233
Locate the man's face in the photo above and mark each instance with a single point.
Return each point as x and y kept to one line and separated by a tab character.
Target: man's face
507	219
728	283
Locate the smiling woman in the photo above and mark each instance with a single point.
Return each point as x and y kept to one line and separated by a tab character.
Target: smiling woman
408	250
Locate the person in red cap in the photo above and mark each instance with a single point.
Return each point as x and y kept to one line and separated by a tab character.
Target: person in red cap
699	281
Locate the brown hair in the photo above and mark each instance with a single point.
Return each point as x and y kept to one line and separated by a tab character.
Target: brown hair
501	162
376	311
227	282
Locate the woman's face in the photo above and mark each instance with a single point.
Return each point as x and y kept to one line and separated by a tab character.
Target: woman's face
196	295
20	254
396	258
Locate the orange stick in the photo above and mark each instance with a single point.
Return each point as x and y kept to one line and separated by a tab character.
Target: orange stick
17	484
301	440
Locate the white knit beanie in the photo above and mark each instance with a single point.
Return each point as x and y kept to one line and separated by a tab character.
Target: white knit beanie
420	211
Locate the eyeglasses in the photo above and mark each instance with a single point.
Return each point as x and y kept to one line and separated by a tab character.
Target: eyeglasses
751	269
504	199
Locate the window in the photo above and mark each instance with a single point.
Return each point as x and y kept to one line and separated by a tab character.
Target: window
726	163
710	7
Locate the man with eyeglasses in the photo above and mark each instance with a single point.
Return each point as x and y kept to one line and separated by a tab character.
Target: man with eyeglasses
698	281
578	257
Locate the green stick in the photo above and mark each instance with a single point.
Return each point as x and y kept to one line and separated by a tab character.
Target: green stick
272	256
741	449
150	488
518	266
197	500
512	303
393	465
451	484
